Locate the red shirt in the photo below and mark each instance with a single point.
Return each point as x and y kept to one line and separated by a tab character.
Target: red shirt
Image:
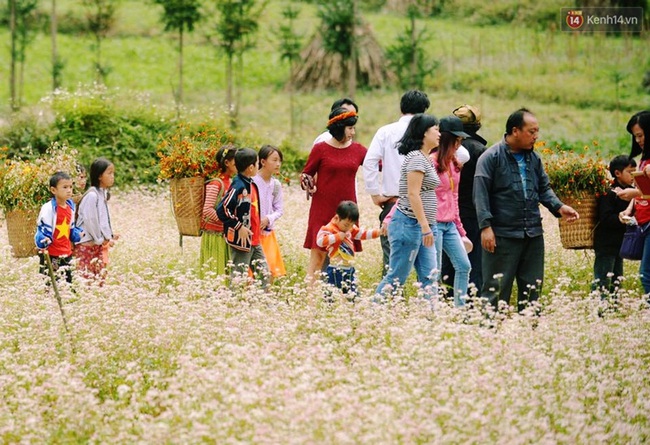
61	245
642	206
255	217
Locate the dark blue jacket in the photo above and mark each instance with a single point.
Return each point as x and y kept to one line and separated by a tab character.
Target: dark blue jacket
608	234
235	210
499	195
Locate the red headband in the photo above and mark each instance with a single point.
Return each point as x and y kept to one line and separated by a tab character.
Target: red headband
341	117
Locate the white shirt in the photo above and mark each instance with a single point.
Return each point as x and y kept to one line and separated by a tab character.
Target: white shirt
325	136
384	148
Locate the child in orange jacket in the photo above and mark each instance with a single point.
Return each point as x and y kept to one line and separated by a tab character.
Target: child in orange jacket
337	238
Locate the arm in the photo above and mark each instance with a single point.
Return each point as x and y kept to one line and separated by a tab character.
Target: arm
371	168
226	211
327	236
43	236
608	214
481	197
277	205
359	233
212	190
414	184
89	215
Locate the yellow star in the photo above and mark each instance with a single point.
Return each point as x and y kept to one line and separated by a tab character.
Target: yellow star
64	229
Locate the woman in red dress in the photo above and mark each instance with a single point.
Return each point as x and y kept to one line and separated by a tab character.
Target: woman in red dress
334	162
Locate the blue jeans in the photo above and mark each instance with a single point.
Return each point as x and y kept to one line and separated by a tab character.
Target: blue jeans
342	277
406	252
644	269
449	240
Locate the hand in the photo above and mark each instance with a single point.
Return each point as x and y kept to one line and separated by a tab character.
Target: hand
568	213
379	200
624	216
427	239
467	243
627	194
245	235
341	235
488	240
116	236
264	223
383	230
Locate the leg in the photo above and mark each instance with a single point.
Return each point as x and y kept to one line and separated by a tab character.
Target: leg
385	244
618	273
405	240
474	234
499	270
259	265
447	272
241	261
455	249
426	267
644	268
530	272
316	259
603	268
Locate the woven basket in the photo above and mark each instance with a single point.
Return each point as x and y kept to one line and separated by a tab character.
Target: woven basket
21	227
187	204
580	234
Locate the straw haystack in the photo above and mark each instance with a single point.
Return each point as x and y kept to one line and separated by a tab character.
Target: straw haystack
323	70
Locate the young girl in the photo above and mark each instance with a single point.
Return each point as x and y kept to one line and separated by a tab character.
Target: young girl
270	198
214	251
95	222
452	237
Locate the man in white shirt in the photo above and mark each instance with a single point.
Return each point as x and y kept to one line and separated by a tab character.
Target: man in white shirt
346	103
383	149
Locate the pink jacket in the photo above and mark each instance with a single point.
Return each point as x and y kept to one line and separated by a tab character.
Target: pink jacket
447	194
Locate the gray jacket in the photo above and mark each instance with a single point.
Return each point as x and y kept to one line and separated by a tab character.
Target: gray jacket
499	196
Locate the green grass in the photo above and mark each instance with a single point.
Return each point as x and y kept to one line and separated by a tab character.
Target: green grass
567	79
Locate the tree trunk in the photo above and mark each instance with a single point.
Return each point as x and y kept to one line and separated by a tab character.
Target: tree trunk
229	100
352	63
12	75
55	57
180	65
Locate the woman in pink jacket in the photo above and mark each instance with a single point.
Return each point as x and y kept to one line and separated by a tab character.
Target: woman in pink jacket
451	234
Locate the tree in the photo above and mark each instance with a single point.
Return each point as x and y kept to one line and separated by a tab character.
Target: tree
22	24
340	19
181	16
407	57
100	17
290	45
235	30
57	62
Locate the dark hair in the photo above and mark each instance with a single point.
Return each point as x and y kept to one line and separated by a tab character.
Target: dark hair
414	134
244	158
80	168
643	119
348	210
337	129
445	155
226	153
97	168
345	101
268	150
516	120
620	163
414	102
58	176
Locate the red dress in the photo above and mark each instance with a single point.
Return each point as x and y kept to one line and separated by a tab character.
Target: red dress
336	182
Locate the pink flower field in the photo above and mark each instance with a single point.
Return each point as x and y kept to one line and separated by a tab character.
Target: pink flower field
158	355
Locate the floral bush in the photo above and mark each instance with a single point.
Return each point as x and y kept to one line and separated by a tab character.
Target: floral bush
575	173
24	184
191	152
180	359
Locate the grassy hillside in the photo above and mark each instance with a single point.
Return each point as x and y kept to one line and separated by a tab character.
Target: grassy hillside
583	87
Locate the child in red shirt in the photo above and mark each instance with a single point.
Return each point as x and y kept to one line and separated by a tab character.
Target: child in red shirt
55	227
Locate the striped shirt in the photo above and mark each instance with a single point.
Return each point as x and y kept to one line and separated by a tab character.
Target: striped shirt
416	161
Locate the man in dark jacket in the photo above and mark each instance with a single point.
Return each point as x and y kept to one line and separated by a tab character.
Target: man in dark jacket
475	145
509	185
608	235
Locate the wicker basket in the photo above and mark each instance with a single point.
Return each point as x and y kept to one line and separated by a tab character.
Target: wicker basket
188	195
21	227
580	234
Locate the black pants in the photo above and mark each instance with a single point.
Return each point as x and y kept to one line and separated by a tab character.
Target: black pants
60	265
385	244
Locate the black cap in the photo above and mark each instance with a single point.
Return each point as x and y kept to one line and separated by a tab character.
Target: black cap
453	124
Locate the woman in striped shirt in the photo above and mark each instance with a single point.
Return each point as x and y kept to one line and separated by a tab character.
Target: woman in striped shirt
413	226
